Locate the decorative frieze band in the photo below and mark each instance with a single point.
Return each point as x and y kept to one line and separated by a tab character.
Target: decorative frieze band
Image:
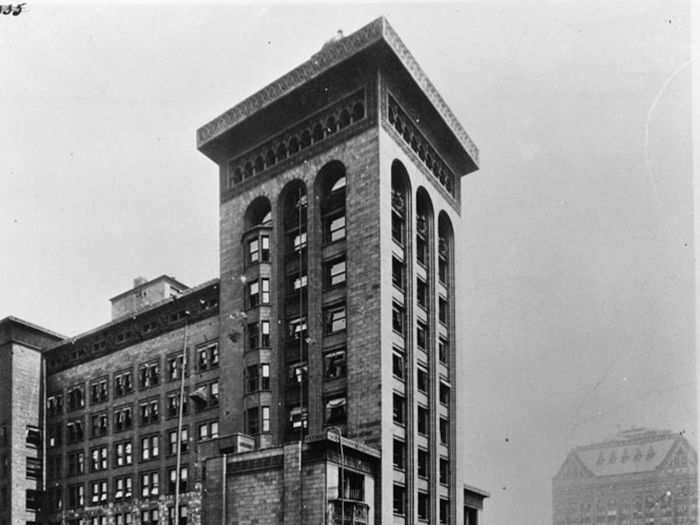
414	139
344	114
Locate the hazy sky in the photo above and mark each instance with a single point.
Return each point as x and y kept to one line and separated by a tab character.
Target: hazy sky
578	281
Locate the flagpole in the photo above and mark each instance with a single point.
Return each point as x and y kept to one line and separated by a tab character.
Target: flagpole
179	421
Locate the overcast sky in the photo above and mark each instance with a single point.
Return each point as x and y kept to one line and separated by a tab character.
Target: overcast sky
577	284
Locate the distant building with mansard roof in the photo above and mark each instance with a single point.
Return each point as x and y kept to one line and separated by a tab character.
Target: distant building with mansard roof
640	476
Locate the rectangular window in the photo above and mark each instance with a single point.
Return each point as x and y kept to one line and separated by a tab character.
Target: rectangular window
253	251
32	499
297	329
76	463
335	228
175	367
54	405
98	459
122	419
397	228
150	447
442	270
399	409
150	517
33	468
252	421
123	488
296	284
421	335
149	484
265	419
421	250
122	518
76	397
298	418
442	310
335	411
444	431
397	318
208	430
173	404
182	520
423	506
423	420
184	441
444	471
265	334
334	364
399	500
149	411
265	291
98	490
149	375
99	391
334	273
265	248
214	394
444	511
98	425
253	336
55	497
422	293
423	463
264	376
297	241
397	273
75	431
399	454
172	479
33	436
253	294
443	351
123	454
123	384
444	394
208	356
334	319
251	382
398	366
76	496
422	380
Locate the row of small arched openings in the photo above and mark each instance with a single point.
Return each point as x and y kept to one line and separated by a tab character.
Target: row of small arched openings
298	142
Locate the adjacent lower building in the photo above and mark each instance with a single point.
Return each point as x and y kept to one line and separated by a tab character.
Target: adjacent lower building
314	382
640	477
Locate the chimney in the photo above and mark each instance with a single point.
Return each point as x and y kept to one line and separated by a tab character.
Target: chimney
138	281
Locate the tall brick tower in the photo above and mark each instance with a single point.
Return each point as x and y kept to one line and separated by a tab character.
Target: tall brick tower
21	423
339	203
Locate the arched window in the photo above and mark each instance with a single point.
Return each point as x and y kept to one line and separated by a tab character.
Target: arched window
331	184
293	145
358	112
258	222
344	119
318	133
270	159
305	139
331	125
293	331
400	191
259	164
282	151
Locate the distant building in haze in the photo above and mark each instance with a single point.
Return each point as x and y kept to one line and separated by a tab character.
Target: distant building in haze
640	476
